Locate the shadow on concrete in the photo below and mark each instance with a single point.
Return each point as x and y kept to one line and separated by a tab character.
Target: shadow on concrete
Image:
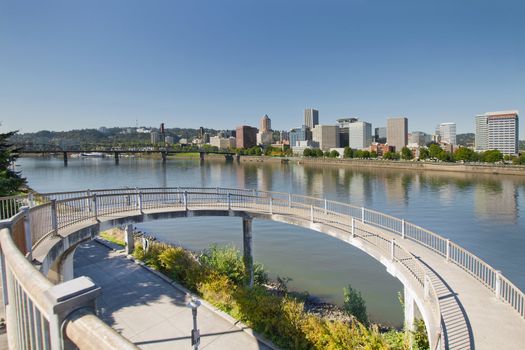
457	331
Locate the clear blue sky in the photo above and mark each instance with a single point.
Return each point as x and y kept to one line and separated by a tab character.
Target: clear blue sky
79	64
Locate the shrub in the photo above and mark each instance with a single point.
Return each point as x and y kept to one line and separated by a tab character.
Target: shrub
354	304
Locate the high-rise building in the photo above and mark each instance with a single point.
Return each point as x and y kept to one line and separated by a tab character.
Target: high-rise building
397	132
299	134
359	135
497	130
380	134
311	117
326	135
344	139
265	124
447	132
246	136
154	137
418	138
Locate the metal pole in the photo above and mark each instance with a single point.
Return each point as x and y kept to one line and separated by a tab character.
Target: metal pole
186	200
195	333
95	208
311	213
393	249
363	215
54	218
403	228
229	201
497	290
325	207
289	200
353	227
271	205
27	232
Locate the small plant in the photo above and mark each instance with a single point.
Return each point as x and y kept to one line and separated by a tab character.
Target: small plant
354	304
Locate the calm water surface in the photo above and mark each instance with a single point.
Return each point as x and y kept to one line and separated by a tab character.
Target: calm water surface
480	212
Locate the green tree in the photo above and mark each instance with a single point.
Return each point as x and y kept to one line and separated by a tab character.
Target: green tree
406	153
465	154
492	156
445	156
434	150
10	181
424	153
373	154
348	153
354	304
317	152
519	160
307	152
334	154
327	154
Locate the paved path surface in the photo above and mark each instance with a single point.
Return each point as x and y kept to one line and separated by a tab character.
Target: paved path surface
149	311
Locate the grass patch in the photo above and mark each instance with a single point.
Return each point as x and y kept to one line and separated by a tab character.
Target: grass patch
114	235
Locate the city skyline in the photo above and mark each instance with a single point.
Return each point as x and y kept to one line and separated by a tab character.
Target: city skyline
231	63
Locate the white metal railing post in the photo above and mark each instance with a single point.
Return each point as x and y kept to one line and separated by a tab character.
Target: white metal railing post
448	251
27	232
54	216
289	200
363	215
186	200
271	205
95	206
139	200
497	289
426	287
88	192
403	228
325	206
353	227
229	201
311	213
393	249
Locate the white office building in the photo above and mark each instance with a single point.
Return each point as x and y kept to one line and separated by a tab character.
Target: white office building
497	130
223	142
359	135
447	132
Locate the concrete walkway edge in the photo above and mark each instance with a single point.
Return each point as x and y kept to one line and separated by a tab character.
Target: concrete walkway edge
245	328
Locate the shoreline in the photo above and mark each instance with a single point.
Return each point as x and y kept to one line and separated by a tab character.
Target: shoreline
517	170
487	169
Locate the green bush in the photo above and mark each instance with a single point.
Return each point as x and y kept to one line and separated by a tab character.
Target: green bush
354	304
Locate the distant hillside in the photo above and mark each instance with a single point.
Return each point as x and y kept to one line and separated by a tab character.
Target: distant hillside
103	136
465	139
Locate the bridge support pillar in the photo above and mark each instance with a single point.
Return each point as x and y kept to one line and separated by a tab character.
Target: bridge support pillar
201	156
248	249
65	158
128	235
164	156
116	158
409	310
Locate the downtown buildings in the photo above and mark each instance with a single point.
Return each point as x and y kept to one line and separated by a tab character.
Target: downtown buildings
497	130
397	132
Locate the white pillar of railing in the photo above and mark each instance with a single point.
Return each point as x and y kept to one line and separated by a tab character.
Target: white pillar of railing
497	289
448	251
95	206
271	205
403	228
363	215
186	200
311	213
139	200
289	200
353	227
392	249
325	206
426	287
27	229
54	216
229	201
88	193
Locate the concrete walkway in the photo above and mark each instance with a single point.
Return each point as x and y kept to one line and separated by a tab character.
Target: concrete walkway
149	311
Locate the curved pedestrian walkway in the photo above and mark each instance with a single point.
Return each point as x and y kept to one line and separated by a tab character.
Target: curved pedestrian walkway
148	310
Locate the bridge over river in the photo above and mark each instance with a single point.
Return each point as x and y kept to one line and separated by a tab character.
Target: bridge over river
465	303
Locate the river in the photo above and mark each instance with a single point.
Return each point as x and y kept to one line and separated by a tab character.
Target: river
480	212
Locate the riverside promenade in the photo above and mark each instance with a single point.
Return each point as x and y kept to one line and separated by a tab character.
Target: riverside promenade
149	311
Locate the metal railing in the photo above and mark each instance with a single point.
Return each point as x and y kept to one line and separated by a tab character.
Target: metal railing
64	209
39	314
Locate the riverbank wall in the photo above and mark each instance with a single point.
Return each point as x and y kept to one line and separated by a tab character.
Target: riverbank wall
518	170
